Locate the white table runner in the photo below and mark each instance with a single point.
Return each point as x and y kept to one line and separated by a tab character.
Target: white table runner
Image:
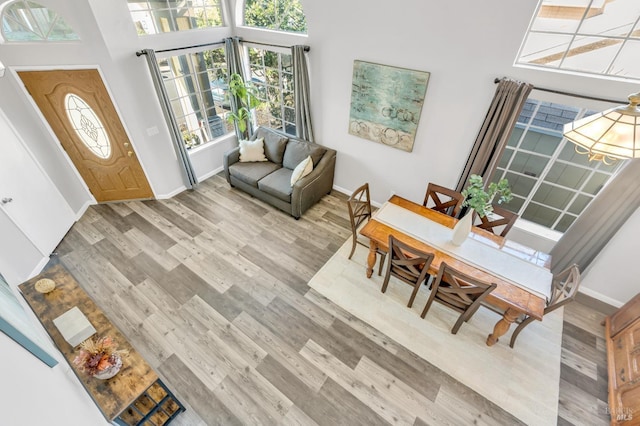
519	272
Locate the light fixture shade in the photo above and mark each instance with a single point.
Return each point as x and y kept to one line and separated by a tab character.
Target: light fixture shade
611	133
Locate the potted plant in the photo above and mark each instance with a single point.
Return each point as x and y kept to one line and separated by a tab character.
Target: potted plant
246	94
481	201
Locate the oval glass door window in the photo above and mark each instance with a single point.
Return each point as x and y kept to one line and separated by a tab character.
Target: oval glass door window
87	125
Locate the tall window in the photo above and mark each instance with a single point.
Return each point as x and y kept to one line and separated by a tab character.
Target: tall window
30	21
551	183
196	85
271	73
280	15
589	36
162	16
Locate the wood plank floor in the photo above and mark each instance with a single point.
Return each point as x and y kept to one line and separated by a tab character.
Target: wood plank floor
211	288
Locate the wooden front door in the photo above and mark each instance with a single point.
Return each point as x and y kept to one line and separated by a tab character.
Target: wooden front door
79	110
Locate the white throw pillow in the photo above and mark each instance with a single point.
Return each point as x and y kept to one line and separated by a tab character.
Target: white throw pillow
304	168
252	151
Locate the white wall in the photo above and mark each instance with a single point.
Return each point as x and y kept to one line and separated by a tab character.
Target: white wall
613	276
34	394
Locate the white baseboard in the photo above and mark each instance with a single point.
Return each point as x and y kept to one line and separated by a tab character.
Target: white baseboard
171	194
83	210
211	173
601	297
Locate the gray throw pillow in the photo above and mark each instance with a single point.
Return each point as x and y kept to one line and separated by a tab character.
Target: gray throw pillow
297	151
274	144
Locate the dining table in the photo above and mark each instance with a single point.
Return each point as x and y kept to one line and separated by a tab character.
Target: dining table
521	273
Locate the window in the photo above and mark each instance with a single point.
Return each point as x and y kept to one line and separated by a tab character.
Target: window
162	16
271	74
281	15
598	37
196	85
551	183
87	126
30	21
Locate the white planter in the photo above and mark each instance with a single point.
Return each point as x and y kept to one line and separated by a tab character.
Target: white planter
462	229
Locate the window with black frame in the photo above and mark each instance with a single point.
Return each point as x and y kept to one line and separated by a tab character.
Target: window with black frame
551	183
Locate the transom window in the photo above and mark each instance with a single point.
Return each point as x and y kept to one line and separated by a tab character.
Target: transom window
196	84
589	36
271	74
552	184
162	16
30	21
280	15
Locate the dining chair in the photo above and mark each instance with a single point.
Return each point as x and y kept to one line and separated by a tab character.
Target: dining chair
458	291
500	221
443	199
564	288
408	264
359	204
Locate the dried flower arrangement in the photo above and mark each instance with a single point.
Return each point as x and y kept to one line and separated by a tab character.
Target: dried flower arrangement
98	354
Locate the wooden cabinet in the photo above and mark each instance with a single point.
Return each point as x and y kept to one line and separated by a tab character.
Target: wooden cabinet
623	358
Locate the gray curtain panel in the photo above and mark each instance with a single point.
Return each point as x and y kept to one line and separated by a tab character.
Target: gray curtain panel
498	124
234	66
190	179
600	221
302	93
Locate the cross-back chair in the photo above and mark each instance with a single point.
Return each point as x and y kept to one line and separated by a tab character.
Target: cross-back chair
458	291
564	288
444	200
359	205
499	222
408	264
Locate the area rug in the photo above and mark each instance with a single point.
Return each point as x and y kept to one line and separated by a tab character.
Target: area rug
523	381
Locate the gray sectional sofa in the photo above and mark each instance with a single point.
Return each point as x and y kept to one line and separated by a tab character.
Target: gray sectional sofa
270	181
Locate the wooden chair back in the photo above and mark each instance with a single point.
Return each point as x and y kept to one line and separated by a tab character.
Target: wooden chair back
500	222
442	199
359	205
458	291
408	264
564	288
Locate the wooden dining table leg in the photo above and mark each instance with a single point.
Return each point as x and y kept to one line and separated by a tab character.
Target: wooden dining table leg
371	259
502	326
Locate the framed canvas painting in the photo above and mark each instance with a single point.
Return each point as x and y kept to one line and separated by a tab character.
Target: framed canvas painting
386	103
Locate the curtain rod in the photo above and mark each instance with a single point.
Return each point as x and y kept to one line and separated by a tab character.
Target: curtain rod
306	48
560	92
140	52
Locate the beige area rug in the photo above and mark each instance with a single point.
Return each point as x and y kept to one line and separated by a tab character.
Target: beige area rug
524	381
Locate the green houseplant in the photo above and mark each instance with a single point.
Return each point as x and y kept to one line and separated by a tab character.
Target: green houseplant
246	97
481	200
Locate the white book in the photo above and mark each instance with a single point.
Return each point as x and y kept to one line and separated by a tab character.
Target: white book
74	326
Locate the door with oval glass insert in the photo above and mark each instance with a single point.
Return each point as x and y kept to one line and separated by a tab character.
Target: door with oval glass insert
79	110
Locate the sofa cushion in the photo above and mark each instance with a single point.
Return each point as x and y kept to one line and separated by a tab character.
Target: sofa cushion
304	168
251	151
251	173
278	184
298	150
274	144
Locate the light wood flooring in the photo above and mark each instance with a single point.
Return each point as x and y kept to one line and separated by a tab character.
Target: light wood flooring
211	288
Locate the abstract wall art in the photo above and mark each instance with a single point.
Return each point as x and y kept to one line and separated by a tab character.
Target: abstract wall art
386	103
